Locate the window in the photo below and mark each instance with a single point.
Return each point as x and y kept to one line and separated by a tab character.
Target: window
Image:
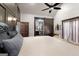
2	14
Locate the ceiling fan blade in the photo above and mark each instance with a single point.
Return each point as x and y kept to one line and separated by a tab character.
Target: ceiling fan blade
45	9
55	4
57	8
47	4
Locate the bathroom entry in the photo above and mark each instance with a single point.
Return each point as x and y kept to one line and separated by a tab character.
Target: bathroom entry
43	26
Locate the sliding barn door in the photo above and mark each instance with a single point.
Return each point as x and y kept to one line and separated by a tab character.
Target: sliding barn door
70	30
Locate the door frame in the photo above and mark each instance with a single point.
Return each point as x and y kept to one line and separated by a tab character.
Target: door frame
35	18
27	28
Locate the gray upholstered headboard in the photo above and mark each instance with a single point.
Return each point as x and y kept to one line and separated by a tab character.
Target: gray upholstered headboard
13	46
11	40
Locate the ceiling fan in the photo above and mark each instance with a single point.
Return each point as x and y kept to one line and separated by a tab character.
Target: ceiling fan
54	6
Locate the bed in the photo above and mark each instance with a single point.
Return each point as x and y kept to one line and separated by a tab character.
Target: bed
40	46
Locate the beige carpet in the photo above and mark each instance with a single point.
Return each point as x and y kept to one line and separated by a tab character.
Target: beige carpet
47	46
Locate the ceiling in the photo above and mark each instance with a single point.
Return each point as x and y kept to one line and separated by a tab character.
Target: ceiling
35	8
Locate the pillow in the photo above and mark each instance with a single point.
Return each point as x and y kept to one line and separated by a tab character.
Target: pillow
4	36
13	46
12	33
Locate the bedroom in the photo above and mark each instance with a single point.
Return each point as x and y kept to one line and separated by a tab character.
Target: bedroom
29	31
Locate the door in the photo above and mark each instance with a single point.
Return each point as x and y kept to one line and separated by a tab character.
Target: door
24	28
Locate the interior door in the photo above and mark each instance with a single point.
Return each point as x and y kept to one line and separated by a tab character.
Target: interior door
24	28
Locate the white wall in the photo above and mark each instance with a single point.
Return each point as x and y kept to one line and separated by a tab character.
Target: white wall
69	10
30	18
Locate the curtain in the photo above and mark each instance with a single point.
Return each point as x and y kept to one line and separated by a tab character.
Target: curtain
71	29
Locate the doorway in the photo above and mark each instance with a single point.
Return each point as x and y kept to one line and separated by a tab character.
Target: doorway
43	26
24	29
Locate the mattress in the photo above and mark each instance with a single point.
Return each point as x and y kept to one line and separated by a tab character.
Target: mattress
47	46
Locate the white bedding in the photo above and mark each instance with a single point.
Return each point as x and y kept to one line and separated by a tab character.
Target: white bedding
47	46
